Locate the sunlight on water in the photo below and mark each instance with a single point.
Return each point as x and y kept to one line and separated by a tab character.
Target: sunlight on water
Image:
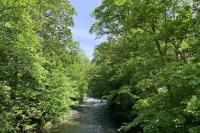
94	117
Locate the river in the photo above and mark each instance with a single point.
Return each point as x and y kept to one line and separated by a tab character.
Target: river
93	117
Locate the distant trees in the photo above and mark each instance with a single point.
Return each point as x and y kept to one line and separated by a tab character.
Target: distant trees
149	67
43	70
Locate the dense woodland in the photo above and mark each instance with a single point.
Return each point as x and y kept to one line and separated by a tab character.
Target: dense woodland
43	70
148	69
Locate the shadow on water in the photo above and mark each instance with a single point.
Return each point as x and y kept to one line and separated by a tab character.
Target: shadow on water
94	117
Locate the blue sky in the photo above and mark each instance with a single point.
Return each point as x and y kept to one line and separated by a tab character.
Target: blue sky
83	21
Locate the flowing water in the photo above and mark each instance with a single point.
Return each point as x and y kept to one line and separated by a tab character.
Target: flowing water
94	117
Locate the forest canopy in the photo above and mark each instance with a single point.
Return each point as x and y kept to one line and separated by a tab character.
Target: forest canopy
43	70
149	68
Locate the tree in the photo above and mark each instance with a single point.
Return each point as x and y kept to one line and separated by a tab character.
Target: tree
37	57
149	66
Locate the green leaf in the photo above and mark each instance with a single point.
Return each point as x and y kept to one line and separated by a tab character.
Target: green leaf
120	2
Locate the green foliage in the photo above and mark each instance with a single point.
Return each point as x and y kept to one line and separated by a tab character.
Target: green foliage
149	67
43	71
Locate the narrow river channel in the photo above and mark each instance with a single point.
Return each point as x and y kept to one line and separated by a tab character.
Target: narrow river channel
93	117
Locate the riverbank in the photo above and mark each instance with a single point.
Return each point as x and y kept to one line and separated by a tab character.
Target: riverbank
92	116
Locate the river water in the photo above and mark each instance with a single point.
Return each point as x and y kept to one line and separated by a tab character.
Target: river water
93	117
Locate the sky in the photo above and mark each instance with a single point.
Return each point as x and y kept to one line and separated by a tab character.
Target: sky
83	22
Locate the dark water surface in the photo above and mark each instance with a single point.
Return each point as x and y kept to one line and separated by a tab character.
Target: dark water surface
94	117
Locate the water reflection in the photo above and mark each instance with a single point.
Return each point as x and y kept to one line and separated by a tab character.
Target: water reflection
94	117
